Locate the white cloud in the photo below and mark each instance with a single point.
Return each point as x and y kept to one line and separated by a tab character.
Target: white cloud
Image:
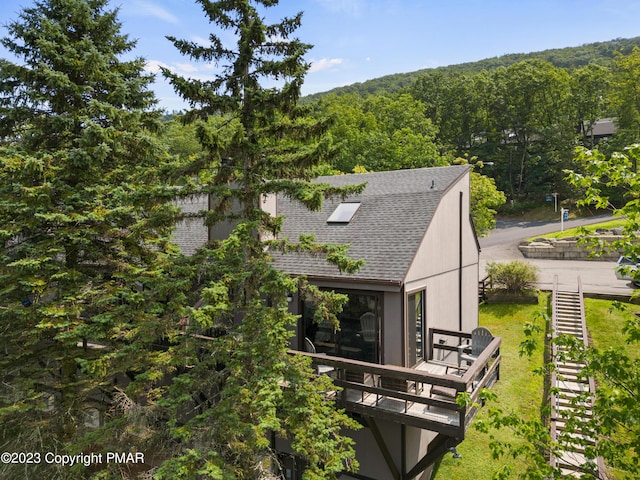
324	64
153	66
201	40
186	67
150	9
204	72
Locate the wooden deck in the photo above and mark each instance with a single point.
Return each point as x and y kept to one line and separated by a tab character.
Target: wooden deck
423	397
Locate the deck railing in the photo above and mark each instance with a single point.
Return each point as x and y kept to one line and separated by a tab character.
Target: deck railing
483	284
424	397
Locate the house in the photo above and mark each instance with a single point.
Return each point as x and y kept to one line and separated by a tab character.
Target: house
410	312
413	230
599	130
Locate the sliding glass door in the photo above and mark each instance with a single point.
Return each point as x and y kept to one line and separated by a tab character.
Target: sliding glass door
416	327
359	334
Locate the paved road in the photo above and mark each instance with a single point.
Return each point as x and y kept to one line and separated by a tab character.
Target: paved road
597	276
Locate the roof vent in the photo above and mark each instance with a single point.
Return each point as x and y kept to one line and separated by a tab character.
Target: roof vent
344	212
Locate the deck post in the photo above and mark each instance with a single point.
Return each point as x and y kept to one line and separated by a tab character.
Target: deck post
377	435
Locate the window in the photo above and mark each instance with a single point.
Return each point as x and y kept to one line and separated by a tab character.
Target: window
292	467
416	327
359	334
344	212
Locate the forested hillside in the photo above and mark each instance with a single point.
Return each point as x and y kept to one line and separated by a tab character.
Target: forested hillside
601	53
521	121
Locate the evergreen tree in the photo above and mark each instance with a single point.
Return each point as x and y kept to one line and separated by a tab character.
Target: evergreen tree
83	228
242	387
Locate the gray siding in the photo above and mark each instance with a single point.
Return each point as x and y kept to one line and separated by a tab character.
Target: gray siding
190	233
436	266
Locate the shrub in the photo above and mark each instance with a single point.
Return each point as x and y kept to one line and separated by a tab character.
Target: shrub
515	276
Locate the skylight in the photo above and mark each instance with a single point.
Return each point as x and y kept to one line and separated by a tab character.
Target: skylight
344	212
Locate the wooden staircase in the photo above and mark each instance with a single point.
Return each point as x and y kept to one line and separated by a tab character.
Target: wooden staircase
568	389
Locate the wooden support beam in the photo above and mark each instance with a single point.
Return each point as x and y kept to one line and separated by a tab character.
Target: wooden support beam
438	447
383	448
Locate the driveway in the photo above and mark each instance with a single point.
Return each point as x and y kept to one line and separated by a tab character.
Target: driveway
596	276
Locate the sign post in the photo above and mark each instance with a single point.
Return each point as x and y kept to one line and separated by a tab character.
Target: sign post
564	215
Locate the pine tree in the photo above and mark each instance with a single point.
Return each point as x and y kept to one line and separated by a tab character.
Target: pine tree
84	224
241	385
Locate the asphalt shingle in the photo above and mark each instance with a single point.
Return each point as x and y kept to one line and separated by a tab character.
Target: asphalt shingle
396	209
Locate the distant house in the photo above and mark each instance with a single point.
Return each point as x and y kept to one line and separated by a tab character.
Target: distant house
600	129
415	301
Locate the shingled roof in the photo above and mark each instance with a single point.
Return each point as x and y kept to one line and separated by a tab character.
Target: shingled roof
386	231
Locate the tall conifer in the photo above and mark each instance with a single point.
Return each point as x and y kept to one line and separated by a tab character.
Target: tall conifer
258	142
83	227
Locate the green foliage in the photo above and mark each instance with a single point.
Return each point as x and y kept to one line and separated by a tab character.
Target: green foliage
242	385
182	140
590	91
485	198
378	133
519	119
626	95
455	104
601	53
85	262
606	176
515	276
529	126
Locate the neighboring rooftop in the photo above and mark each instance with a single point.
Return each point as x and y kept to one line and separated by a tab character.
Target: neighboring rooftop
386	230
605	127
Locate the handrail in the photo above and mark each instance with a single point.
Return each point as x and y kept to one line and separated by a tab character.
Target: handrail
387	371
554	377
482	287
482	373
483	359
554	354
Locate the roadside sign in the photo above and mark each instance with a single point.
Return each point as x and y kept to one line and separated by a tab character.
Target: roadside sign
564	215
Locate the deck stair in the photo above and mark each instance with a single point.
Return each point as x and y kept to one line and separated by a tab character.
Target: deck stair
567	386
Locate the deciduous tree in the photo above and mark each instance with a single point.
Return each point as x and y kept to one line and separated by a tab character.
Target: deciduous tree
625	96
590	89
530	125
485	198
615	404
380	132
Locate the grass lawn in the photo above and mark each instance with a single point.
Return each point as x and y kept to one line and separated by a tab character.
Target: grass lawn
605	326
573	232
518	390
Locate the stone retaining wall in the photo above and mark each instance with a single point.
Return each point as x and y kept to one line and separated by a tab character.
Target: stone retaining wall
567	249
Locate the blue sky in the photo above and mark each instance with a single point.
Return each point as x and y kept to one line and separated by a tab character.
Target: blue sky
357	40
